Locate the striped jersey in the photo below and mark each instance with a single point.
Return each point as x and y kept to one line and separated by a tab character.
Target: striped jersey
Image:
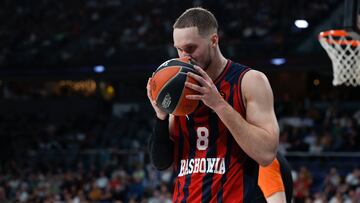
210	165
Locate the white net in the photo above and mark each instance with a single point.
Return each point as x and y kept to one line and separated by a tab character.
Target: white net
345	56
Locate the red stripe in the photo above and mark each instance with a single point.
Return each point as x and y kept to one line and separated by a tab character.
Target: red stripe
234	186
236	100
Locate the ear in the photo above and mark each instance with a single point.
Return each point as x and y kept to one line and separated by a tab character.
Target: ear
214	39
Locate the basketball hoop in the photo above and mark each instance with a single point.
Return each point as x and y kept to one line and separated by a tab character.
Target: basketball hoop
344	53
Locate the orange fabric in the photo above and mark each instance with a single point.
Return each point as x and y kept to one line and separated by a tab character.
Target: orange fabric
270	180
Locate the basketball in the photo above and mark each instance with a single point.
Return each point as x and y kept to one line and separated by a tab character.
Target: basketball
167	87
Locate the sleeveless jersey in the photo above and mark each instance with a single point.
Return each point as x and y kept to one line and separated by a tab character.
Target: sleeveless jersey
210	165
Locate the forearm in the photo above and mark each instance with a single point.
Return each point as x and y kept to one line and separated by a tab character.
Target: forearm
161	146
258	143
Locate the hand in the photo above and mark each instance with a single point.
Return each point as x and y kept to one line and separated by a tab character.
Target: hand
209	94
159	113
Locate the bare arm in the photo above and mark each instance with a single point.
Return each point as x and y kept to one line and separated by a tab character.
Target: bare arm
257	135
278	197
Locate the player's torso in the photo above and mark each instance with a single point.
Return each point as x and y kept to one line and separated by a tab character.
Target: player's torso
211	166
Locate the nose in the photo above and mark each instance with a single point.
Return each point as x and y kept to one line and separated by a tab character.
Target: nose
186	56
183	53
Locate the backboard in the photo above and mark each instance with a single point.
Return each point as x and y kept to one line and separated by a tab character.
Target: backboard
352	18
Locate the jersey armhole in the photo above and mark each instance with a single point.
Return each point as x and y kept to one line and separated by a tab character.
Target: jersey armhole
240	99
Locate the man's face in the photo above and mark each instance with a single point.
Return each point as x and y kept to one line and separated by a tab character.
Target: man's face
189	43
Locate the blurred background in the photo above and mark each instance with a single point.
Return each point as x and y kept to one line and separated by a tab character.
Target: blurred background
75	119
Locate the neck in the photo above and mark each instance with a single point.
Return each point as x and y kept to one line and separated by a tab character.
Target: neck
217	66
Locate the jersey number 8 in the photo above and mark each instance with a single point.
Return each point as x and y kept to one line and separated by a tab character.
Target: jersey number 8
202	138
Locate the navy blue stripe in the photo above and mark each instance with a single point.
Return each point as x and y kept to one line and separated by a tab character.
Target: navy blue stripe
234	73
192	133
227	163
231	99
211	153
251	172
242	104
180	154
192	143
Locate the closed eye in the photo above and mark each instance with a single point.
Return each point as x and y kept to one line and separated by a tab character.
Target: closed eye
189	49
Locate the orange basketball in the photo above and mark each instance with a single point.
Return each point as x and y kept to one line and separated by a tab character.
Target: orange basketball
167	87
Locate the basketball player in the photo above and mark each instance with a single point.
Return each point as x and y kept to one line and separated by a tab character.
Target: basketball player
275	182
216	150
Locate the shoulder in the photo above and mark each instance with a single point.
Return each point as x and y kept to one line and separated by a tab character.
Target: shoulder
255	82
255	76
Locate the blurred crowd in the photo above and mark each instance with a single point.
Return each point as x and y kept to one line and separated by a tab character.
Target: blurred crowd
333	187
117	31
318	126
112	183
142	183
103	156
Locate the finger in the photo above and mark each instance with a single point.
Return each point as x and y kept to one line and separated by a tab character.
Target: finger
195	87
198	78
202	73
148	83
194	97
148	86
154	103
149	95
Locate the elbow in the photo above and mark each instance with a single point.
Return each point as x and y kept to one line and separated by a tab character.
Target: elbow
269	156
267	159
270	153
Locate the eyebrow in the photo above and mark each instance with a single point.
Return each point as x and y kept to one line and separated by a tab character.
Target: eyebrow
186	46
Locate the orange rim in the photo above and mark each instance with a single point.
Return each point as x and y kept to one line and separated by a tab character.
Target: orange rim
338	33
334	33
